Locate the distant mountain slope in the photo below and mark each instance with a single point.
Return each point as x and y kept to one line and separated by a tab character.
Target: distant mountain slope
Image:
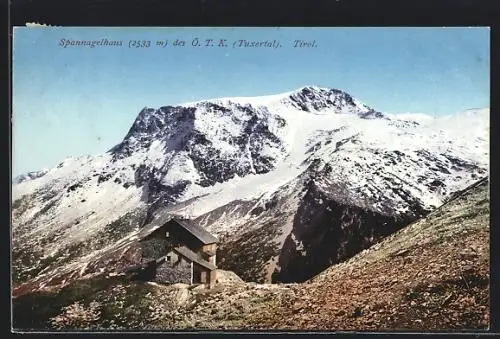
29	176
291	183
431	276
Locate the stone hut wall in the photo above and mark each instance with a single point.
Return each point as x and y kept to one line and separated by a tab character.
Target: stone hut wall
175	270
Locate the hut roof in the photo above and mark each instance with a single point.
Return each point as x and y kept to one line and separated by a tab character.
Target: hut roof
197	231
190	255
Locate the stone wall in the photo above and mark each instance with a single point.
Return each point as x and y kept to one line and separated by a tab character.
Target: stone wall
177	270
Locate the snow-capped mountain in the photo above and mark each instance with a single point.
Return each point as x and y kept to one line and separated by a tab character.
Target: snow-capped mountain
30	176
290	183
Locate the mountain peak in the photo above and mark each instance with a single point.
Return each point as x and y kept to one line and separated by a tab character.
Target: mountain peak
310	98
315	98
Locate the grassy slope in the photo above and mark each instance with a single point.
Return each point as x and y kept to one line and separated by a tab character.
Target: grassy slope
432	275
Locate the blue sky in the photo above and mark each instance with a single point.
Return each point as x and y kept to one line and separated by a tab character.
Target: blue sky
80	100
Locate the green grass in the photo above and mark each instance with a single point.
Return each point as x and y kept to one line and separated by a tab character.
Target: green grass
34	310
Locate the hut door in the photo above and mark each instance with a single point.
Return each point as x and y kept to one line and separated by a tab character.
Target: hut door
203	277
196	274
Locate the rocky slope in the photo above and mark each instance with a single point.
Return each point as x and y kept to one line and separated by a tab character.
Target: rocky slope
290	183
431	275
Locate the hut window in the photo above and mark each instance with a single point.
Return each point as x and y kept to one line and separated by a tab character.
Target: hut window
169	258
167	234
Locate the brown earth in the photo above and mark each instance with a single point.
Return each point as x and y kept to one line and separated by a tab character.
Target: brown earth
432	275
